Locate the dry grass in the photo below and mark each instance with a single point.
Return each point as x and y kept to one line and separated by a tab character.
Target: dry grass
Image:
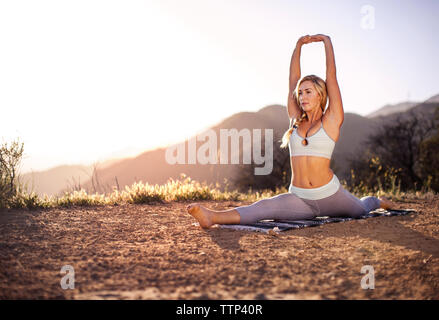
184	189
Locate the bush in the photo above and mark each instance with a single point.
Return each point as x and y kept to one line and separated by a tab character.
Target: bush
10	157
429	159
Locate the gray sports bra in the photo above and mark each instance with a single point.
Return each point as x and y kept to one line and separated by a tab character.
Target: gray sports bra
319	144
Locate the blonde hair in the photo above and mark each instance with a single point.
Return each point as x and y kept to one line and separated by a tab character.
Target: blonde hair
320	86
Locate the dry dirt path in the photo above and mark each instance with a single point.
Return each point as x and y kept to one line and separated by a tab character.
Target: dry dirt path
158	252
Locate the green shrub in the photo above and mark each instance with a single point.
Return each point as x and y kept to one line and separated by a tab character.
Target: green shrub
10	157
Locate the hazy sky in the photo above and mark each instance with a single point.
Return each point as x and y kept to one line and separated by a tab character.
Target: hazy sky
81	81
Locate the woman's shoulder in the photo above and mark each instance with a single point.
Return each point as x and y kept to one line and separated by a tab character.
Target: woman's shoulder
331	128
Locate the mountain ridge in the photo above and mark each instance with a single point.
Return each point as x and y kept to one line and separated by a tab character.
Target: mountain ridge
150	166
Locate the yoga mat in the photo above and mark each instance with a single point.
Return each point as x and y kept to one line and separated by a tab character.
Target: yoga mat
277	226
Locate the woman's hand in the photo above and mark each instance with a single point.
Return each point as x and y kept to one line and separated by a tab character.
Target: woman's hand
314	38
320	37
304	40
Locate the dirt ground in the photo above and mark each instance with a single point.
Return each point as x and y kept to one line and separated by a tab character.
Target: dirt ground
159	252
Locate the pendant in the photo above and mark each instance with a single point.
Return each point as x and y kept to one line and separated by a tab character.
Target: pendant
305	142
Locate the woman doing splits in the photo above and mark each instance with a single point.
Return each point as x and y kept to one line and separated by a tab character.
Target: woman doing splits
314	190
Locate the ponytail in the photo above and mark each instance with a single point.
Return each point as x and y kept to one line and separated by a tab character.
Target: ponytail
295	124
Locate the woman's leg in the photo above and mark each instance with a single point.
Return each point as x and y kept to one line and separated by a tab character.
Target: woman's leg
387	204
344	204
285	206
207	217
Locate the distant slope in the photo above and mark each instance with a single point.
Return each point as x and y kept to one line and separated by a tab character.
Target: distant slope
433	99
389	109
426	109
151	166
51	181
54	180
392	108
353	133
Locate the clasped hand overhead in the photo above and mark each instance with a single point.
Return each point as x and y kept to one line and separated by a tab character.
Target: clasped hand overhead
313	38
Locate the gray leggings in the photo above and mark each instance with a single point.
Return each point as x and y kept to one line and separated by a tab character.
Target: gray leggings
290	206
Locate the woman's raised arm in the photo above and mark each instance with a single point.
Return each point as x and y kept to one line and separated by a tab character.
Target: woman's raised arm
293	109
335	108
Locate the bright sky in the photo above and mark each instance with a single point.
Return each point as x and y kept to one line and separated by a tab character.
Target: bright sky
82	81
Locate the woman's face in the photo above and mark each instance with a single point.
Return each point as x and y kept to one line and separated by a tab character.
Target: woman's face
308	96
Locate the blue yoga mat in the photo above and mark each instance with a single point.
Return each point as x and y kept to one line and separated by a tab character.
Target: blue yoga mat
277	226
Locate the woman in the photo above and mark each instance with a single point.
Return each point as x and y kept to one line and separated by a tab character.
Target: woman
314	190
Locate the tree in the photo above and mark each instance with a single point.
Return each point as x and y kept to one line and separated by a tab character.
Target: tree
10	157
395	147
429	158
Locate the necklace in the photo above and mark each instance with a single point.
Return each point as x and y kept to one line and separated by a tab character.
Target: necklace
304	141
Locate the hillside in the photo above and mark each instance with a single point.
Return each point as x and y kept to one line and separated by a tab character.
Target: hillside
54	180
152	167
393	108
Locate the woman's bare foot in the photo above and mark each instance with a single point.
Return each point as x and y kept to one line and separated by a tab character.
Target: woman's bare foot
386	203
202	214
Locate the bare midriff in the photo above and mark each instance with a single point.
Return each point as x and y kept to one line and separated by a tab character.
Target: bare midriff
310	172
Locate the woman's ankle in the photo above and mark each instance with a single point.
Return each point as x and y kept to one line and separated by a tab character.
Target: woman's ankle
226	217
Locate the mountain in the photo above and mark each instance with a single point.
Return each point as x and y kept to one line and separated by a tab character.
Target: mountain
401	107
49	181
54	180
423	109
392	108
353	133
152	166
433	99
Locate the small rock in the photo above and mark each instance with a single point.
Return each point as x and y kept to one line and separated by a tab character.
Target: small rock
428	259
260	296
274	232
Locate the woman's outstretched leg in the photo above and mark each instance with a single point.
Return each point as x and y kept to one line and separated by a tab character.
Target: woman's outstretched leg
285	206
372	203
207	217
387	204
343	203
